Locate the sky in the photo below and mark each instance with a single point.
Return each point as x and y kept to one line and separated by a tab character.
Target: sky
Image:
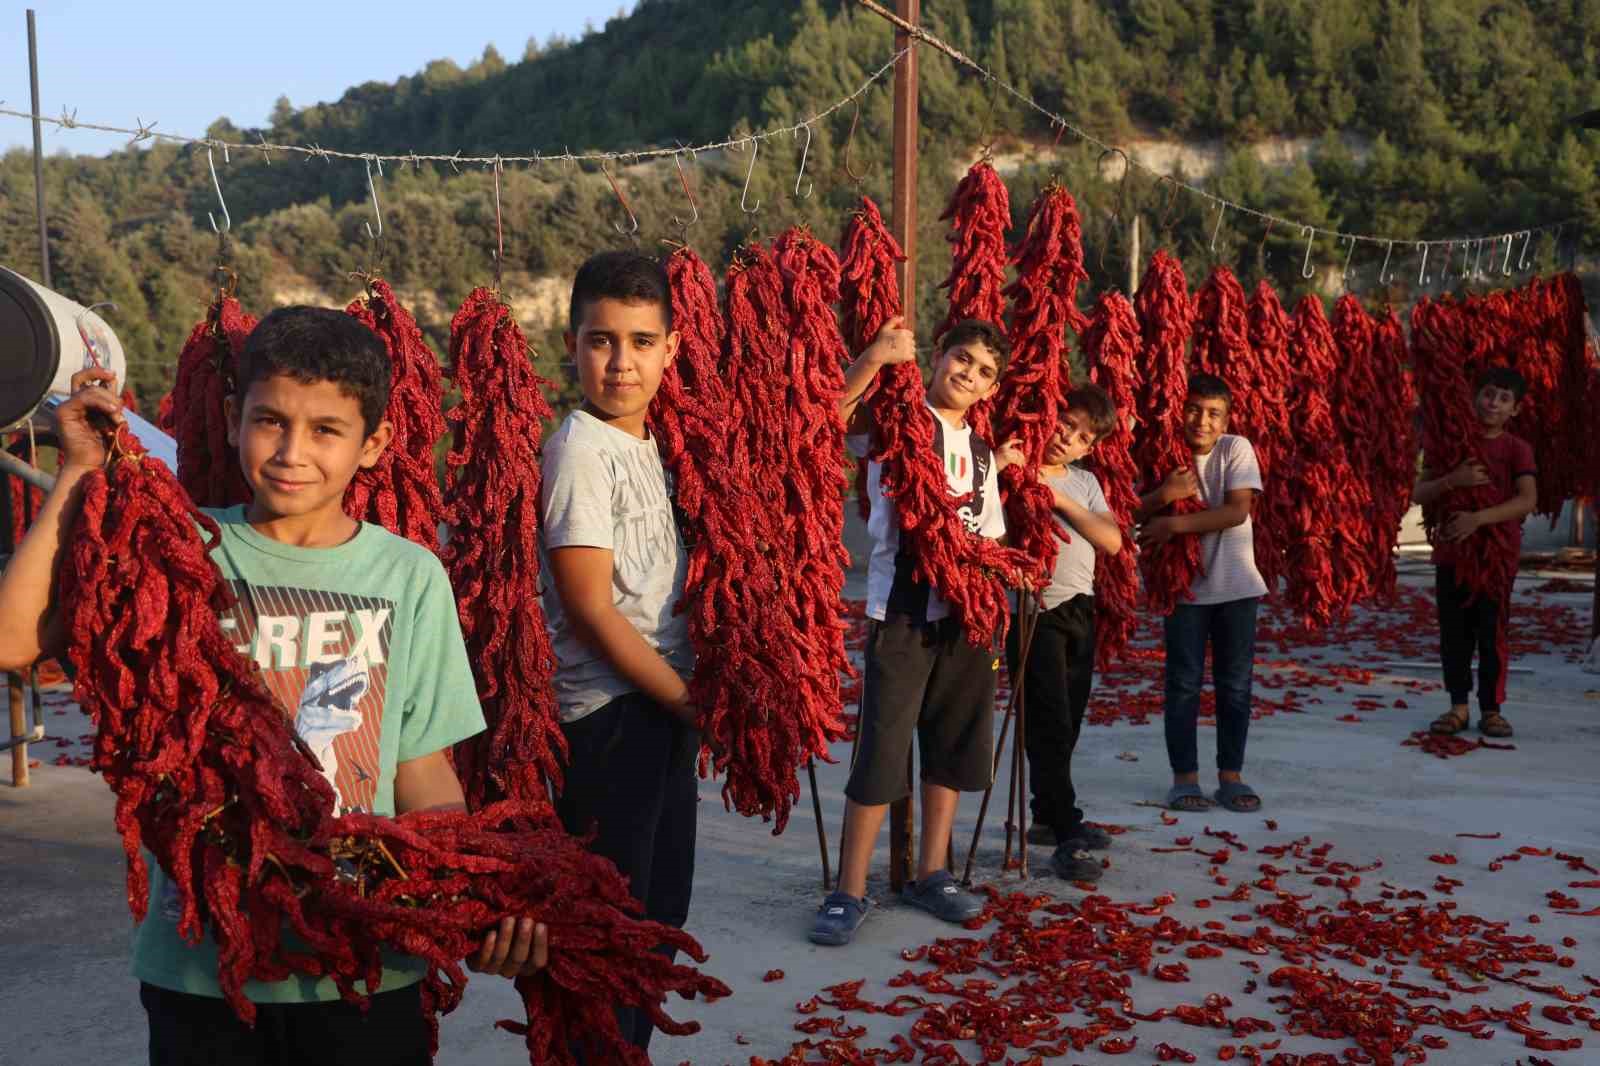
182	65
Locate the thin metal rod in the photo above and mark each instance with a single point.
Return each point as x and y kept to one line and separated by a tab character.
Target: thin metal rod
822	834
38	156
10	464
1024	646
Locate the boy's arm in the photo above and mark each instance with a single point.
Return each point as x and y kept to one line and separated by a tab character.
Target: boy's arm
1464	523
893	344
1236	507
1098	529
1179	485
582	578
1429	488
29	627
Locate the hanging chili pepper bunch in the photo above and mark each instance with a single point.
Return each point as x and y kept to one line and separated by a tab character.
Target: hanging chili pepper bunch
979	214
212	779
208	466
1166	319
401	492
1110	350
1354	389
1269	425
1393	470
1486	561
970	572
776	573
491	501
1031	399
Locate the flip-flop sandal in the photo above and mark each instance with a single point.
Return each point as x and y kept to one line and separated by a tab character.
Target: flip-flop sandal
1235	795
1450	723
1493	725
1187	798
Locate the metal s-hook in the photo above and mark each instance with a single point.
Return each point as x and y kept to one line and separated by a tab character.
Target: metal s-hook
623	200
1261	245
850	139
1505	265
805	153
372	190
1166	212
986	139
744	194
1477	260
1422	272
1222	207
1306	269
1522	256
227	219
1344	275
499	234
1384	277
694	206
1122	198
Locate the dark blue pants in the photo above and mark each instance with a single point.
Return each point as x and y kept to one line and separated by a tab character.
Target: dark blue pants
1230	629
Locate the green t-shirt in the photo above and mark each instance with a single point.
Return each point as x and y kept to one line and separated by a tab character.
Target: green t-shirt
362	640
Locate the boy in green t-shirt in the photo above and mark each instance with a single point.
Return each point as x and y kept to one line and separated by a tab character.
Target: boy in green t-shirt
355	632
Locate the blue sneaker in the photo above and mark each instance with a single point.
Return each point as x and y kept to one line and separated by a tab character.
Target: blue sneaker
840	915
941	896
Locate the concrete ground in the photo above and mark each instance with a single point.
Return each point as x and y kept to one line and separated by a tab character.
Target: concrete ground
1327	759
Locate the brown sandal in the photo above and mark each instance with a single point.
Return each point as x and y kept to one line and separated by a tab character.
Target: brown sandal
1494	725
1451	722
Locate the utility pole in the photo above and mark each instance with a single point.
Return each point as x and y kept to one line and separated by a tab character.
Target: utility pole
38	156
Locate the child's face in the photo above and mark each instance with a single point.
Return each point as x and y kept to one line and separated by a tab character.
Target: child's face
1496	406
1072	440
1205	418
621	349
300	444
964	374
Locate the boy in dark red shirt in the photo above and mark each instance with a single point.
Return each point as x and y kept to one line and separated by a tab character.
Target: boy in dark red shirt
1469	619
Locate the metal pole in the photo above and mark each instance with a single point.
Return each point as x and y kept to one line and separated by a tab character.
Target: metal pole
38	156
904	224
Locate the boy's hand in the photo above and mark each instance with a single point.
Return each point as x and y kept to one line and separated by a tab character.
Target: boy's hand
1462	525
83	442
1469	475
519	948
893	345
1181	484
1009	454
1156	532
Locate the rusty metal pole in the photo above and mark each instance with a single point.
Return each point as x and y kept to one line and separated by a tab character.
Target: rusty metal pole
38	156
903	222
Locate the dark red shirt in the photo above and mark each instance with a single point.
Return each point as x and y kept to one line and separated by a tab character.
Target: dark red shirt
1505	458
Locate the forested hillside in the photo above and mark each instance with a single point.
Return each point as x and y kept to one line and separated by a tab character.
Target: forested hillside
1431	118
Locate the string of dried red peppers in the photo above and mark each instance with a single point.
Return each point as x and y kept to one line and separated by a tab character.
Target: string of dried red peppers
979	214
211	778
491	500
401	492
208	466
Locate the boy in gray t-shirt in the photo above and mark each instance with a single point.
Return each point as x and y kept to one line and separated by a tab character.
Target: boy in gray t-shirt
1060	663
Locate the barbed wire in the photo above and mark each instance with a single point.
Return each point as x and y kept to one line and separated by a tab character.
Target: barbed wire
146	131
1222	204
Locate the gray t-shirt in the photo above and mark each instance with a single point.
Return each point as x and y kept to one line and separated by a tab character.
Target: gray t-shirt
1074	574
1229	555
604	488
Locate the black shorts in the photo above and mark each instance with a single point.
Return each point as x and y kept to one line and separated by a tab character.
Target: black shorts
929	678
190	1030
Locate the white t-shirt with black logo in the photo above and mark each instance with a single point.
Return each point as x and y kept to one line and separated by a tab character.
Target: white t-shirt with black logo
1229	555
889	578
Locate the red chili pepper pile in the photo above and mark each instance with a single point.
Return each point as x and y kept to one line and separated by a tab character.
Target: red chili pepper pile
979	214
1441	330
1264	404
1322	495
491	500
1030	400
401	493
1166	320
784	442
208	466
970	572
1110	349
211	778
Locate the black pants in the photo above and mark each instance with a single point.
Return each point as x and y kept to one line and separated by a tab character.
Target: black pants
1055	694
631	781
189	1030
1467	624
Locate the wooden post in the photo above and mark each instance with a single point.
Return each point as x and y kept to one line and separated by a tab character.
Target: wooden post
1133	257
38	164
902	815
19	727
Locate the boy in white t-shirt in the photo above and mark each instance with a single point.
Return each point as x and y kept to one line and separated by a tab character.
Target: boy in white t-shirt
1221	610
1060	665
923	677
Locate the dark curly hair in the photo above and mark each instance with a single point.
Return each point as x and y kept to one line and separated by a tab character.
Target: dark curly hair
311	344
